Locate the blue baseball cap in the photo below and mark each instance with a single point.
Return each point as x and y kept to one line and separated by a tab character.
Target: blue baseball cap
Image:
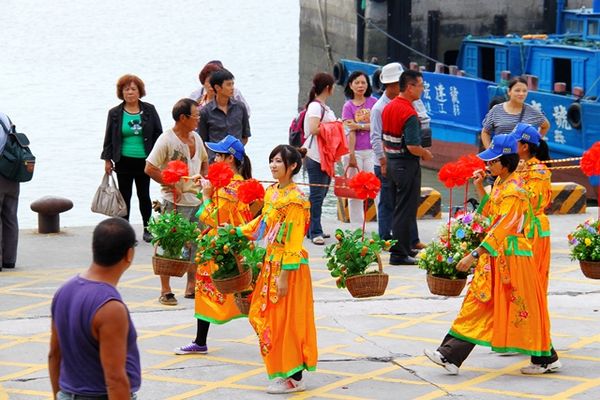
501	144
526	133
228	145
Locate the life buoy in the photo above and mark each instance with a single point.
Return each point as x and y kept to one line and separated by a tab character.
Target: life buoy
574	115
339	74
376	83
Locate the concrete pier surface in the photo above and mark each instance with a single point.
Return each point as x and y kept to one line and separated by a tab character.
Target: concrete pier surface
368	349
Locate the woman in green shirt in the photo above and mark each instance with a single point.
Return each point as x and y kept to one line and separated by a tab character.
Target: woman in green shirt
132	128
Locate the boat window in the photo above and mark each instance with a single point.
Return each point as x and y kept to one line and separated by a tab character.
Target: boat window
593	27
488	63
562	71
573	26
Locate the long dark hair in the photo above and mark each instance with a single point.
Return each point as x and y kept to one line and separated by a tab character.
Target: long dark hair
244	166
321	81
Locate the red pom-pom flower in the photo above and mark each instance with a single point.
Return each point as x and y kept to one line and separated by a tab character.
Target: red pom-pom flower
365	185
250	190
590	162
469	164
174	172
219	174
451	175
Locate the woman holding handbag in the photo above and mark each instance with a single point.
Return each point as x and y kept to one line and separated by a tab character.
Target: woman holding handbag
316	113
132	128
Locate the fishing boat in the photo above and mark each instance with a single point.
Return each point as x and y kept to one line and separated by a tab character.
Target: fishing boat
563	75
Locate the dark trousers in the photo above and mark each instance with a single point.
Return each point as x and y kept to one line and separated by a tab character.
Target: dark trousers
456	351
385	211
404	175
9	225
316	195
131	170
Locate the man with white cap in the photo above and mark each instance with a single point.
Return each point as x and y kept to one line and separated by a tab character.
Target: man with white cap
390	77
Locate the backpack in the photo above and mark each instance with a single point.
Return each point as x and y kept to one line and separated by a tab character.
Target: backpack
16	160
296	131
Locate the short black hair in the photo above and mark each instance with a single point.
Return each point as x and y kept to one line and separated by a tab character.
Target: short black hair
289	155
183	107
510	161
409	76
218	77
111	240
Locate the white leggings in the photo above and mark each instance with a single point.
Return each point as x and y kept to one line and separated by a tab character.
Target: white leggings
364	159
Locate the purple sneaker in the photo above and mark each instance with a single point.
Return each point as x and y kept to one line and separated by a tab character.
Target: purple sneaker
191	348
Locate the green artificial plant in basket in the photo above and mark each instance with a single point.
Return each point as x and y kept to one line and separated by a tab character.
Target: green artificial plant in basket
226	249
354	254
171	232
457	238
584	241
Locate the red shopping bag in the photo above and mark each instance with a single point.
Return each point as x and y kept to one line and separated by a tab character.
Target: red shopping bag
341	187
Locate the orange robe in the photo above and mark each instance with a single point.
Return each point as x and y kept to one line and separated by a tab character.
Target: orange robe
537	178
210	304
285	326
505	307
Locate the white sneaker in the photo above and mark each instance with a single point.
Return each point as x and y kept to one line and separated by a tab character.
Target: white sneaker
439	359
538	369
289	385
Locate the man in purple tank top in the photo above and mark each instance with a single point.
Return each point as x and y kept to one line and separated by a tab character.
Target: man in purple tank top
93	345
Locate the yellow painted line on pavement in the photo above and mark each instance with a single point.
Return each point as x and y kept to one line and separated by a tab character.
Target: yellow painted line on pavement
571	317
24	372
466	385
173	379
218	384
584	341
507	393
567	394
170	331
47	395
322	391
19	310
177	359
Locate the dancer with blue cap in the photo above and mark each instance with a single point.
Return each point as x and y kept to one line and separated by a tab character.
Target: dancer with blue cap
505	307
537	179
211	306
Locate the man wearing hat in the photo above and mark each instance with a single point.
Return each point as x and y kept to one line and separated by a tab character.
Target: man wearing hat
389	78
505	307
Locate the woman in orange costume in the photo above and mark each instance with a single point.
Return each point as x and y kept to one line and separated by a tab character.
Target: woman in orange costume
505	307
282	303
537	179
211	305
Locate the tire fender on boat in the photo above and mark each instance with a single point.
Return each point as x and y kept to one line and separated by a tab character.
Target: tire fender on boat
339	74
376	83
574	115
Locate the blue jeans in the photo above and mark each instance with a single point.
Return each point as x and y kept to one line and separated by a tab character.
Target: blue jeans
69	396
385	208
385	211
316	195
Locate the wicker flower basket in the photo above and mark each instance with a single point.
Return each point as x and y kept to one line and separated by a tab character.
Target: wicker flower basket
444	286
242	303
237	283
591	269
368	285
169	266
